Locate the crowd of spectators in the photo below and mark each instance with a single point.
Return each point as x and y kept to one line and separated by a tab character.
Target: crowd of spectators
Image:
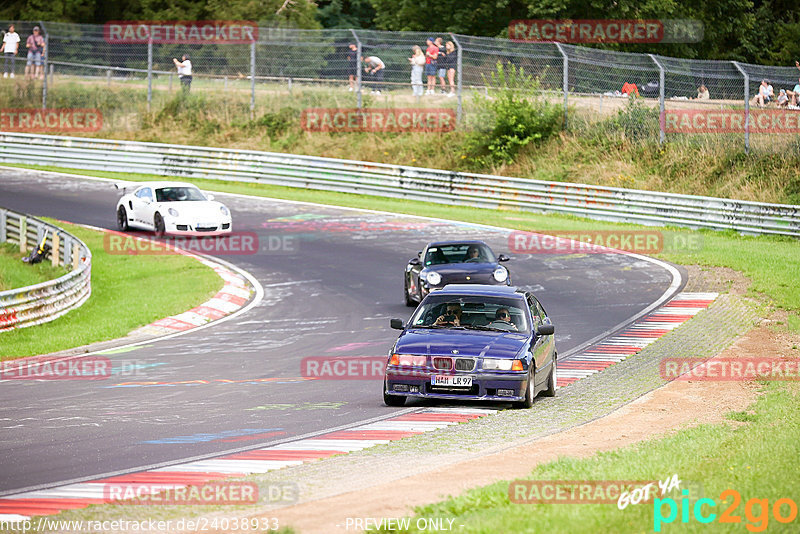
438	60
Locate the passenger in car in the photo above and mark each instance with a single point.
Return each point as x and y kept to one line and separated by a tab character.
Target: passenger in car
452	315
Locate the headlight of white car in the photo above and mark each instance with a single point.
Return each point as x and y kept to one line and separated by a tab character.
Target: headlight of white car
224	211
433	278
493	364
173	212
500	274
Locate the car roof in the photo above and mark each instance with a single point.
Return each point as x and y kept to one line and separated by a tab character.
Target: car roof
456	242
159	185
479	289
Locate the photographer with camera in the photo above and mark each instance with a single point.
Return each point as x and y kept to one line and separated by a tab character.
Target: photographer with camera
451	317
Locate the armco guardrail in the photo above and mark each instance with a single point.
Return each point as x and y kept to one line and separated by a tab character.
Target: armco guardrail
478	190
44	302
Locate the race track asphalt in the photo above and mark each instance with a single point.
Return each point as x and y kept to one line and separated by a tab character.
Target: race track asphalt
330	289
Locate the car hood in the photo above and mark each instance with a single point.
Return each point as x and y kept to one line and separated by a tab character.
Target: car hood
199	208
467	343
457	272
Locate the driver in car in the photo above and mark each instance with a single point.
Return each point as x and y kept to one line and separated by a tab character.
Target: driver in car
451	317
503	316
473	253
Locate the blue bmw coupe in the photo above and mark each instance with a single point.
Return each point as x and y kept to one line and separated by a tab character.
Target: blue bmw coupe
473	342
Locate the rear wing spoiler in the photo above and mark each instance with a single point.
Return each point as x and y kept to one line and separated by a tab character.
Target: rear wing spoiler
124	186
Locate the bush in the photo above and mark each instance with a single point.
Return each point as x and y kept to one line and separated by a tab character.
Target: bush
511	116
637	122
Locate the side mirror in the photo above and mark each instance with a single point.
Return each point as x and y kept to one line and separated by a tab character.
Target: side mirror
503	257
546	330
210	197
414	261
397	324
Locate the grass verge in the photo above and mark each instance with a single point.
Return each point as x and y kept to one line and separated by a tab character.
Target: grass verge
127	292
756	458
15	274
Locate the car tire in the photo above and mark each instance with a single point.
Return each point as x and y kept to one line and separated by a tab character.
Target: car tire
393	400
551	380
409	301
528	401
122	219
158	224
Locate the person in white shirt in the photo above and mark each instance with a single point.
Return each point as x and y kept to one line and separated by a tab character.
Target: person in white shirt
9	48
184	72
417	61
374	68
765	94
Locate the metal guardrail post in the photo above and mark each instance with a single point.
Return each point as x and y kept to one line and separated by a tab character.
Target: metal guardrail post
459	70
44	69
253	80
149	71
565	81
746	106
3	221
661	112
358	67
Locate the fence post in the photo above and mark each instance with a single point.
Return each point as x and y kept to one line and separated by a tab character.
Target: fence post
44	69
661	112
358	67
459	67
149	71
3	221
253	80
746	106
565	81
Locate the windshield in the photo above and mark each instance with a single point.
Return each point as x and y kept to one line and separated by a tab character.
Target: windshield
459	253
178	194
471	313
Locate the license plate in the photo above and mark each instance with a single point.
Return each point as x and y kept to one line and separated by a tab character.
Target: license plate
453	381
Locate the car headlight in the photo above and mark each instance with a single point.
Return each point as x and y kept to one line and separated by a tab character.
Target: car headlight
224	211
173	212
433	278
408	360
493	364
500	274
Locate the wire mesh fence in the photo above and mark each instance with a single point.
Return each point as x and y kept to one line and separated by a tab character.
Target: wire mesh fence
130	81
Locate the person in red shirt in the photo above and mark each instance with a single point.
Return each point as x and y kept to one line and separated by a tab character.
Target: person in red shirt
431	59
629	89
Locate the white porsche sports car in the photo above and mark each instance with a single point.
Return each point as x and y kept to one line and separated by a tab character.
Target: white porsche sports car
175	208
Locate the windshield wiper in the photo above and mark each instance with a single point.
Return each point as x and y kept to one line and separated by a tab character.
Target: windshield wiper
481	327
450	327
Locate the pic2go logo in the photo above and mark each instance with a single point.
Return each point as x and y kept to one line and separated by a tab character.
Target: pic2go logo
757	520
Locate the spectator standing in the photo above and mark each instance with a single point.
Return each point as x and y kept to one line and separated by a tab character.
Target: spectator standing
431	59
352	66
441	63
765	94
374	69
184	67
417	61
702	93
35	45
10	47
451	60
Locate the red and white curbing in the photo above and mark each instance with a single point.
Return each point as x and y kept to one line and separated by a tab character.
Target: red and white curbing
633	339
23	506
233	296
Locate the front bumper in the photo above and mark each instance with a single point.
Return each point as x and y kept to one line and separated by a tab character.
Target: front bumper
485	385
178	227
